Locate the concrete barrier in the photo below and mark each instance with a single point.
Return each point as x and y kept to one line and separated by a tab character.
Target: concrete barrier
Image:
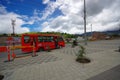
3	49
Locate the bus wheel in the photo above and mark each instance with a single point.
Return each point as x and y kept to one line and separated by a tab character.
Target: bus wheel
57	47
40	49
60	46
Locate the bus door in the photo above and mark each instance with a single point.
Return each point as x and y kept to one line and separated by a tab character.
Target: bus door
48	42
56	42
40	43
51	42
34	43
26	41
61	42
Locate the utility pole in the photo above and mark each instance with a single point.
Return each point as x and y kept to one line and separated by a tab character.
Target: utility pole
91	30
119	26
85	36
13	26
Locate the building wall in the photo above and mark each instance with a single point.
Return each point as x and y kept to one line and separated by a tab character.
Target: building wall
99	36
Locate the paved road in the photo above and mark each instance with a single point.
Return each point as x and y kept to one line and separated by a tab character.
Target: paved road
111	74
60	64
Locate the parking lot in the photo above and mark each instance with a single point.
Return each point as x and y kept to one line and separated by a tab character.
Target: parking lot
60	64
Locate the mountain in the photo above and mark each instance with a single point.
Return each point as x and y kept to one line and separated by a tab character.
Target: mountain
112	32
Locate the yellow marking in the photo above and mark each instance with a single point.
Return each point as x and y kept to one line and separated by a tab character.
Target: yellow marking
23	57
19	47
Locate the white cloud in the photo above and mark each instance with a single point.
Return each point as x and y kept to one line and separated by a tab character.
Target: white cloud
45	24
63	24
69	21
5	22
45	1
107	19
49	10
103	15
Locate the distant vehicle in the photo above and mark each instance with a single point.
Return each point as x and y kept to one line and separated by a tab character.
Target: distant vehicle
107	37
41	41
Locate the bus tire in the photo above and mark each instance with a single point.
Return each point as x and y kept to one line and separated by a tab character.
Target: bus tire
60	46
40	49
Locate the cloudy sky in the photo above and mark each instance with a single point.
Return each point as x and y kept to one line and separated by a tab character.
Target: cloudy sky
59	15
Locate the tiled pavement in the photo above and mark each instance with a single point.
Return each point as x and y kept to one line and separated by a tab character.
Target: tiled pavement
7	68
60	64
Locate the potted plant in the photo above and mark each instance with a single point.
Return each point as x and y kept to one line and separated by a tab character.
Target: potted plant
81	56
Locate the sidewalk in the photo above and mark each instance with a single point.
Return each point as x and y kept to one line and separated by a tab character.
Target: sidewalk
60	64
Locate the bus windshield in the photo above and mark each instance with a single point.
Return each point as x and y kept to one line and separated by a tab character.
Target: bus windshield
60	39
26	39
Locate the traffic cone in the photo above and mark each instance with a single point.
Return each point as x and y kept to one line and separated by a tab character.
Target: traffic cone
8	56
13	55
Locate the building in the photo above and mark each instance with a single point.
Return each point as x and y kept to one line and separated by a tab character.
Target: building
99	36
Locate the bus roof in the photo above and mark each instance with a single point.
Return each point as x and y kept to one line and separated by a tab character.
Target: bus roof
40	35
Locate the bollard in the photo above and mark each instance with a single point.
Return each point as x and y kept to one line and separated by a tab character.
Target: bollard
13	55
8	50
34	52
8	57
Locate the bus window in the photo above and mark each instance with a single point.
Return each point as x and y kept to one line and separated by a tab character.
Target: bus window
26	39
44	38
48	39
40	39
51	38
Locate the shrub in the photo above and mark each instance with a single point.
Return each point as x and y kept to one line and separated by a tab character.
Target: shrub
81	52
81	56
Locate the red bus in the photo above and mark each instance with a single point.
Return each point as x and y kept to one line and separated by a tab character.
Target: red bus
41	41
